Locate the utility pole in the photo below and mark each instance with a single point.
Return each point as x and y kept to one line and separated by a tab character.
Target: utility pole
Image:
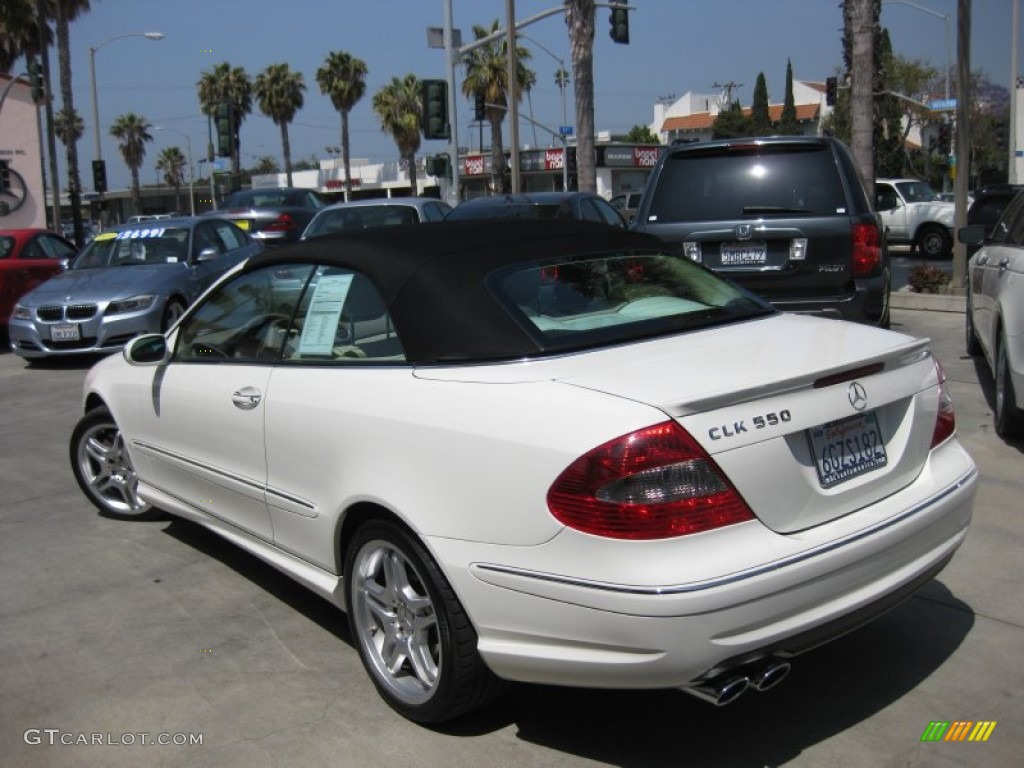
725	100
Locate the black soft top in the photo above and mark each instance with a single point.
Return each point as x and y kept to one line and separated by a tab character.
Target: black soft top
432	277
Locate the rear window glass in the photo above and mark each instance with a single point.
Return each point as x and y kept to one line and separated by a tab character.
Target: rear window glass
611	298
761	181
361	217
511	211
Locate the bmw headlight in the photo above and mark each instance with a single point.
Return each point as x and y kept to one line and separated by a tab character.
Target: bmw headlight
21	313
134	304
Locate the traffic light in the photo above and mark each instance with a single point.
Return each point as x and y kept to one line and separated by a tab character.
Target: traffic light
479	107
437	165
5	175
434	96
99	176
999	133
942	144
225	129
619	20
35	78
831	90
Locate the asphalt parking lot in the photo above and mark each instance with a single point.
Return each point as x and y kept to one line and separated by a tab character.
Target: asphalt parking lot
131	633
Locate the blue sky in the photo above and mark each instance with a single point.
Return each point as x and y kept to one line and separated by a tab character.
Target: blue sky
676	46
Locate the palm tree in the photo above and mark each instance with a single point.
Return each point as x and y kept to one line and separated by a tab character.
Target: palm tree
68	126
343	79
225	83
487	76
279	91
399	110
64	12
172	163
579	16
19	32
132	133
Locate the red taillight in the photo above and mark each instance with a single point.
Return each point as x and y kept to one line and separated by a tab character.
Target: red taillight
654	483
945	420
867	250
282	223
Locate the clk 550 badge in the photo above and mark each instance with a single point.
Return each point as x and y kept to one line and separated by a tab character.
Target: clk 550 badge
757	422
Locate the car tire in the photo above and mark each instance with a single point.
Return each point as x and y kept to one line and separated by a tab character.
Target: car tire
934	241
1009	418
103	468
972	345
413	636
174	309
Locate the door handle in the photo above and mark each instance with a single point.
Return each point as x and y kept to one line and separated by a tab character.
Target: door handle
246	398
1003	264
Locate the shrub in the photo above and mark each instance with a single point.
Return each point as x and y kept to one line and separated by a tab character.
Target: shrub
925	278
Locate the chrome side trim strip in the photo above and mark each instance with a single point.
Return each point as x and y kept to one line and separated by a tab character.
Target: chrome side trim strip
249	483
192	463
701	586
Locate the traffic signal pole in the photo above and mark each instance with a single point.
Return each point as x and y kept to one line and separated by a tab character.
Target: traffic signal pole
452	56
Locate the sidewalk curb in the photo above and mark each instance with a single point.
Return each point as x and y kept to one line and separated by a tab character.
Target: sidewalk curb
927	301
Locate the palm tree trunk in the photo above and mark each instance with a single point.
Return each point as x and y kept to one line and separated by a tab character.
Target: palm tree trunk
287	149
498	181
136	190
74	179
177	198
581	39
346	161
862	19
413	186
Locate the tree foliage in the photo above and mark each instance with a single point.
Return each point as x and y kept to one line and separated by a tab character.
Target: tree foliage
343	78
398	108
760	120
278	91
788	125
132	134
731	123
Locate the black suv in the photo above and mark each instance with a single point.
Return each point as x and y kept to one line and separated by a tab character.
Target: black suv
787	217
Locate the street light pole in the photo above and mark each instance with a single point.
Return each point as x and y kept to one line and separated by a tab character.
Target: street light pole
561	80
936	14
92	73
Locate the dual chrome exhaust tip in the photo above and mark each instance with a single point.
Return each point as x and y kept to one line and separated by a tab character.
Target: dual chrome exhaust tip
727	687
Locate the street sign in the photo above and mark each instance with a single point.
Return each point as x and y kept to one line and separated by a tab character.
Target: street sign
942	105
220	165
565	130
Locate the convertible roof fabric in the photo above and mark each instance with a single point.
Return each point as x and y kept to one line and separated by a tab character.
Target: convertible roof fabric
433	277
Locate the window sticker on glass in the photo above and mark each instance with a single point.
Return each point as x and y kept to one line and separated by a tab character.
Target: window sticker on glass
321	324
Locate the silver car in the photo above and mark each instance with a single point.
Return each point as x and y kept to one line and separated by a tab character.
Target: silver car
137	278
995	311
375	212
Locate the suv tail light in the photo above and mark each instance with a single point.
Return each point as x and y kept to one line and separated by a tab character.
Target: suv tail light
282	223
867	248
945	420
655	483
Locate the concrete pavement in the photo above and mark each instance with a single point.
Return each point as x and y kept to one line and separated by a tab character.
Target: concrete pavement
120	629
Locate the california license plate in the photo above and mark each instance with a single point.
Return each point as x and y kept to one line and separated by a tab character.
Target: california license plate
65	332
847	448
747	254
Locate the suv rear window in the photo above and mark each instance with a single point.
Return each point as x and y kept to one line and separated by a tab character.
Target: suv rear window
756	181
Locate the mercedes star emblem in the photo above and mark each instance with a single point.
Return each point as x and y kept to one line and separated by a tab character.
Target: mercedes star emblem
858	396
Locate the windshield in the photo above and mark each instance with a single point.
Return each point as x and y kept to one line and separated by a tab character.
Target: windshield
619	297
361	217
917	192
130	247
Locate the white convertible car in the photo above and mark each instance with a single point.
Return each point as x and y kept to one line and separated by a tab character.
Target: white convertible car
539	451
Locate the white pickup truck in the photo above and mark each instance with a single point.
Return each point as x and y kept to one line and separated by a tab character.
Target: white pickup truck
913	213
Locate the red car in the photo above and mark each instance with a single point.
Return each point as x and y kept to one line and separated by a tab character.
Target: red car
27	258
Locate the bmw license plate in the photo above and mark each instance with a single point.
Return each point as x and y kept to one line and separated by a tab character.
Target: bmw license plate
847	448
65	332
746	254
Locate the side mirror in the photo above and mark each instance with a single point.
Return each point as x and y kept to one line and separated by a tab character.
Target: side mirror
208	254
148	349
972	235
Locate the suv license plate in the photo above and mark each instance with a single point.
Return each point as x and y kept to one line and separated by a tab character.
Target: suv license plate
847	448
65	332
752	254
